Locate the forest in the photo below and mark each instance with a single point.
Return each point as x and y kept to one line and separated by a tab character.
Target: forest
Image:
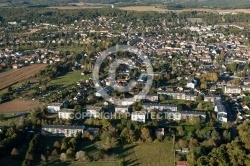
41	15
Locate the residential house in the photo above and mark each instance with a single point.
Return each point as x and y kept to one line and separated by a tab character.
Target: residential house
232	90
246	81
121	109
160	107
139	116
190	85
190	97
152	98
220	109
66	113
93	112
61	130
181	163
211	98
160	131
54	107
173	115
185	150
185	115
15	66
178	95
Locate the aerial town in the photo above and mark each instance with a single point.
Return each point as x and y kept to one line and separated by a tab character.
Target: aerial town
196	111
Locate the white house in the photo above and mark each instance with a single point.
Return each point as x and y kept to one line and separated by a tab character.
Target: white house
66	113
61	130
121	109
222	116
54	107
93	112
139	116
232	90
210	98
191	85
220	109
173	115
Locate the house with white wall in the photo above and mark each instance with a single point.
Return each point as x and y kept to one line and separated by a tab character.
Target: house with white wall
139	116
66	113
54	107
62	130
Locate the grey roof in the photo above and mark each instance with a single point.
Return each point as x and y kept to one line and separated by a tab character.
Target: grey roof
62	126
55	104
158	104
66	110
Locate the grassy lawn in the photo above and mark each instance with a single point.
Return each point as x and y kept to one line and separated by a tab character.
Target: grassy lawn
70	48
69	78
148	154
145	154
174	101
96	164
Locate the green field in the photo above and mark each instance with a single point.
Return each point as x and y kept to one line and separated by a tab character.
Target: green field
69	78
145	154
148	154
96	164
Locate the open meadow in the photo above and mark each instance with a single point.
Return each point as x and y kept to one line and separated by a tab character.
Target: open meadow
70	78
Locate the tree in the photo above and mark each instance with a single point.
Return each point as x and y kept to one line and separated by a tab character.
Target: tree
145	134
180	130
161	97
182	143
64	146
26	163
14	152
63	157
199	106
203	86
57	145
43	157
159	136
70	151
194	120
55	152
10	89
72	141
82	156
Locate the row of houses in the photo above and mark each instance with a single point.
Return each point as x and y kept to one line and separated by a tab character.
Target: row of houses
142	116
178	95
66	131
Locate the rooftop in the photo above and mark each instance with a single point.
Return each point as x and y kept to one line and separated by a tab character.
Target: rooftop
62	127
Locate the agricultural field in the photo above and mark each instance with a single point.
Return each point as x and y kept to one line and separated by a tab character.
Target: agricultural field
18	105
143	8
158	9
69	78
74	7
17	75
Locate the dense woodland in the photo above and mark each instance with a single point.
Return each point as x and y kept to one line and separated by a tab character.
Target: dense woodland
41	15
169	4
